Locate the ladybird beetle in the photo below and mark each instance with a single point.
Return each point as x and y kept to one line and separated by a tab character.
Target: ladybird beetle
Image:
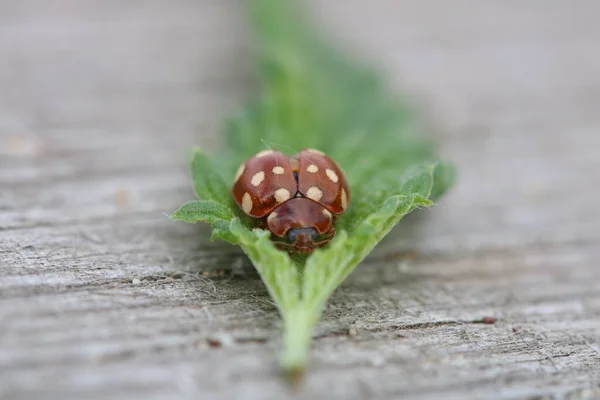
297	198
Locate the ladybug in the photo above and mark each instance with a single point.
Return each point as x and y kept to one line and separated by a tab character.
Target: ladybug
297	198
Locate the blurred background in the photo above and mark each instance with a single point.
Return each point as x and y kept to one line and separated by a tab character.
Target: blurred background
102	296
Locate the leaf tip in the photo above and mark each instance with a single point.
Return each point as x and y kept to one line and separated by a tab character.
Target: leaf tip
294	375
192	153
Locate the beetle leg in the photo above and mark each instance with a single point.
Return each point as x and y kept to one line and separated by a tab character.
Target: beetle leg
261	224
323	242
331	232
282	245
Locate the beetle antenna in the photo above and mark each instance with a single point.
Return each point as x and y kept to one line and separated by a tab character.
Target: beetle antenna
328	239
270	145
284	244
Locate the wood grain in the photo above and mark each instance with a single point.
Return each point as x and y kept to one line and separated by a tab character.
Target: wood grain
103	297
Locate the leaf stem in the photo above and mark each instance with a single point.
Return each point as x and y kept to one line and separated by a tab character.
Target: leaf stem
297	336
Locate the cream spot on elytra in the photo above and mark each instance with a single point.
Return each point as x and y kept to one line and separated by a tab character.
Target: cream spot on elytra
332	175
314	193
277	170
282	195
312	168
257	178
246	203
326	213
240	172
344	199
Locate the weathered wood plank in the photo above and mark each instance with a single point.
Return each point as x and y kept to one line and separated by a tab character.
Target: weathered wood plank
102	296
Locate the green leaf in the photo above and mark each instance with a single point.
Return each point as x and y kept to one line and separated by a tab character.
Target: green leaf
210	212
275	267
209	184
315	96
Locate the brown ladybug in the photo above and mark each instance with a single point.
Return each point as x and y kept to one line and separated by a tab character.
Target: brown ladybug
296	197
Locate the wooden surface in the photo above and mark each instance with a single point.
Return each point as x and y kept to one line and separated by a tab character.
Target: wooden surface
103	297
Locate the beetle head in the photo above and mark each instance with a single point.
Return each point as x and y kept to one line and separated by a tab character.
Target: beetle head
303	239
